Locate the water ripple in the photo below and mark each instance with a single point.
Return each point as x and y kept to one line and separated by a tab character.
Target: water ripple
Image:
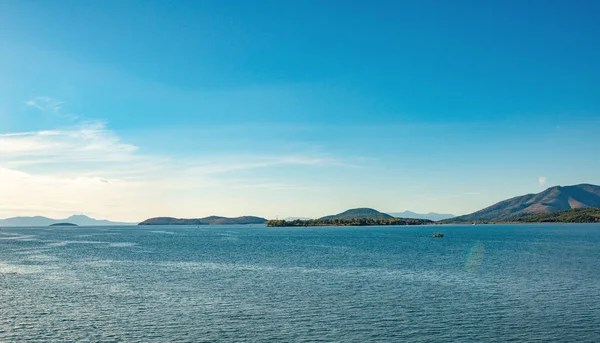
305	285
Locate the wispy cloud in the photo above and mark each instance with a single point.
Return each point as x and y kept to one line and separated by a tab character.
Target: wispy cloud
542	180
91	143
45	103
50	105
88	142
227	164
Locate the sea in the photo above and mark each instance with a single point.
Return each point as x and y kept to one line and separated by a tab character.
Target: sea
479	283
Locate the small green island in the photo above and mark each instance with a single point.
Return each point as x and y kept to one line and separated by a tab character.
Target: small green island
63	224
352	217
349	222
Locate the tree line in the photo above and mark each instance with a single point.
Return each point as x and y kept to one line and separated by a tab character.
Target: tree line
349	222
578	215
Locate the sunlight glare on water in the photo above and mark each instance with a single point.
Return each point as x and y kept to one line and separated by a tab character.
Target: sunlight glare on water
475	257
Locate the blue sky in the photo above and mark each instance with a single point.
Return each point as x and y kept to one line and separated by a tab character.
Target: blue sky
131	109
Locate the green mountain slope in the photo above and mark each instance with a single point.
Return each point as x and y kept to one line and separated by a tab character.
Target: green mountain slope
576	215
551	200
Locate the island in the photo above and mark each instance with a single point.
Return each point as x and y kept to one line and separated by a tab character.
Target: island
212	220
350	222
352	217
63	224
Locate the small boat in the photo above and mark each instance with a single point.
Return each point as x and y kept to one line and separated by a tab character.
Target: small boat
437	235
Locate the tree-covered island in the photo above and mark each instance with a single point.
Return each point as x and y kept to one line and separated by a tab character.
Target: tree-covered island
349	222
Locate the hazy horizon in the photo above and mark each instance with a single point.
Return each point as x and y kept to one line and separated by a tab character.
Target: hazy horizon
125	111
231	216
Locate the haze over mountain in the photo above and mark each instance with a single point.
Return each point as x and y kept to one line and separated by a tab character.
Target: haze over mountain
553	199
358	213
78	219
431	215
212	220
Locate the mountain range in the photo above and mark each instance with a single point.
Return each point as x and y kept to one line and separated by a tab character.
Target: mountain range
431	215
79	220
558	198
212	220
553	199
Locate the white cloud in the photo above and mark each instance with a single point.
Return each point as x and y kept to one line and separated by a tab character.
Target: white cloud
542	181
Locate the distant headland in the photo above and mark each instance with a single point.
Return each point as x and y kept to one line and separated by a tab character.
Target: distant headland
63	224
559	204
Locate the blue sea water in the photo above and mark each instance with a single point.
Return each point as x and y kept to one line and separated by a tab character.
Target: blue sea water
496	283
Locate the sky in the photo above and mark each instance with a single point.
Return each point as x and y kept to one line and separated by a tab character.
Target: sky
133	109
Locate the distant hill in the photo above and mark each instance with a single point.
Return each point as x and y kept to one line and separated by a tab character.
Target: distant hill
431	215
356	213
576	215
63	224
551	200
212	220
80	220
